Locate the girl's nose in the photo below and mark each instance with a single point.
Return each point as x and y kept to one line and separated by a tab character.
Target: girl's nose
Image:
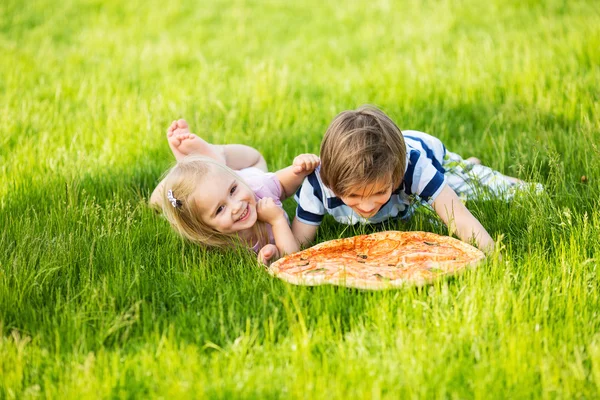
235	207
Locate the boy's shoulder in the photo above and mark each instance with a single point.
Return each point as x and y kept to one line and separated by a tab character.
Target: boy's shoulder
417	137
313	188
423	143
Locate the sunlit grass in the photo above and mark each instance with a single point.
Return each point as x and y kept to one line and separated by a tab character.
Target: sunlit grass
98	298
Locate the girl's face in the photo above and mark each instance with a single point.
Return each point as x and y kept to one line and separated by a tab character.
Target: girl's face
226	204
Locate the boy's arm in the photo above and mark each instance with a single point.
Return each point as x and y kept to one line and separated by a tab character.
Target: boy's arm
291	177
304	233
460	220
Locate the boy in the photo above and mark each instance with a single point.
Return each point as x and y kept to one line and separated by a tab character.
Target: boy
371	171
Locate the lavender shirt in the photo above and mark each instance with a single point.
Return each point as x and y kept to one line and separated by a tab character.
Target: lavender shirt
263	184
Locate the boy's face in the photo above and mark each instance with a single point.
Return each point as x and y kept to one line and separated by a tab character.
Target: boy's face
367	200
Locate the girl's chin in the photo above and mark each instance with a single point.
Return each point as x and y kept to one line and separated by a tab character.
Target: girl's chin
249	221
252	219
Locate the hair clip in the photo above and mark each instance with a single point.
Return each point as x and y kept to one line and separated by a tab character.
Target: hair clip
174	202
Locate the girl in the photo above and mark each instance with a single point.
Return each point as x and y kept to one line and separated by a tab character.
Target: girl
209	203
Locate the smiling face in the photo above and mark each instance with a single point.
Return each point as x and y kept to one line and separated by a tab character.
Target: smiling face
366	201
226	204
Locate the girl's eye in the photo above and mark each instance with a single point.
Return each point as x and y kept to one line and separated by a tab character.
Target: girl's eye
232	191
219	209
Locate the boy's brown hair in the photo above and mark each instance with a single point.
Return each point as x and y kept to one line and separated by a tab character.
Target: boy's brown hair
362	147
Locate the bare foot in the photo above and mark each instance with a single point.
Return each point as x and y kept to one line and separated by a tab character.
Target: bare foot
177	128
183	143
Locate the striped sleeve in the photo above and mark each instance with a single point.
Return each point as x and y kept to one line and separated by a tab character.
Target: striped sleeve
310	209
422	178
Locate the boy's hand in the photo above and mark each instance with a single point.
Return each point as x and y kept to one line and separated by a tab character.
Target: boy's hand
267	211
305	163
268	254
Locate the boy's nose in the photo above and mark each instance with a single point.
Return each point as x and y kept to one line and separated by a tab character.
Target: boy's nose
367	207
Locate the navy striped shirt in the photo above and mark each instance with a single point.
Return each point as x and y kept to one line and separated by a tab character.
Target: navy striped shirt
423	179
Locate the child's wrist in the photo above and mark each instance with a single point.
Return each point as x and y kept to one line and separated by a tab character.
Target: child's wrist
280	220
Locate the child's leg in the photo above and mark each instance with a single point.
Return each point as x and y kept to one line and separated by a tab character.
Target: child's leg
240	156
470	179
235	156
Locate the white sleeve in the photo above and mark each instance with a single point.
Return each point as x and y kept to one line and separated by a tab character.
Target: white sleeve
310	209
422	178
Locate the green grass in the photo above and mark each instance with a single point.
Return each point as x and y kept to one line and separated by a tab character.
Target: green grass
98	298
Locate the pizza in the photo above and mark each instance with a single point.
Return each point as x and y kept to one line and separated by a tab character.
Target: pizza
378	261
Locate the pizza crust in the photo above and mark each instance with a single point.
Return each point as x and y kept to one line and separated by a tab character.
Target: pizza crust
380	260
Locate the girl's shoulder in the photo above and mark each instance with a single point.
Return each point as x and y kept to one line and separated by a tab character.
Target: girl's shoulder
263	184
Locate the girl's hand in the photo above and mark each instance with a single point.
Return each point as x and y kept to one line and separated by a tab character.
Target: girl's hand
305	164
268	254
269	212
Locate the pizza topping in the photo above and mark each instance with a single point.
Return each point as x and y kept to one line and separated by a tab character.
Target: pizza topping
434	269
431	244
361	258
383	278
316	270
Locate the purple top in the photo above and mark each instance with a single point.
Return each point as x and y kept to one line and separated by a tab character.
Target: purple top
263	184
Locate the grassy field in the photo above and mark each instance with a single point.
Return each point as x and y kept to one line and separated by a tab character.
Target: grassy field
98	298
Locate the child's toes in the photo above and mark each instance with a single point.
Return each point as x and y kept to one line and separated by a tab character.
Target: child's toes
174	140
171	128
181	136
182	124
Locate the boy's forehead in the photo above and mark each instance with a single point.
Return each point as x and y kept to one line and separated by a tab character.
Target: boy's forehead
369	188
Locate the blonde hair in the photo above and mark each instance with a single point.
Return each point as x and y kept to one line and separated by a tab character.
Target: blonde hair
362	147
181	208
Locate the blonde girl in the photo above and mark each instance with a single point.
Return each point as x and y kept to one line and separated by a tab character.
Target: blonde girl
213	205
219	194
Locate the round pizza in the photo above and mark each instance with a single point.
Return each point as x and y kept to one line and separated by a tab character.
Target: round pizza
378	261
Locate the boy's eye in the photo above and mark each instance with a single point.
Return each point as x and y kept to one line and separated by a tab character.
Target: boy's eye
233	188
219	209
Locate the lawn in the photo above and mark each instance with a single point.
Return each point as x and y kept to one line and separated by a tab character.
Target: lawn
98	298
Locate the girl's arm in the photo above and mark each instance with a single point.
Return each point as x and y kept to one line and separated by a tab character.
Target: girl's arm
303	233
291	177
460	220
274	215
